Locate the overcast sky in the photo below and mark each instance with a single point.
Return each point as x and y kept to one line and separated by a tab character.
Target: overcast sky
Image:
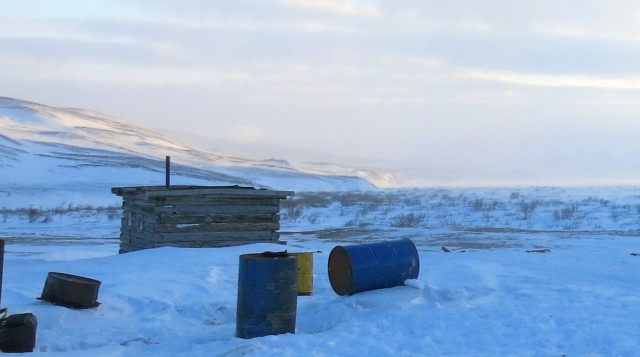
461	92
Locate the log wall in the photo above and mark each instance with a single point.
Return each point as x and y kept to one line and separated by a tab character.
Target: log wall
198	216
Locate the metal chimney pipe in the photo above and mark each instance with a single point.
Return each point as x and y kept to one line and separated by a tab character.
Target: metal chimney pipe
168	172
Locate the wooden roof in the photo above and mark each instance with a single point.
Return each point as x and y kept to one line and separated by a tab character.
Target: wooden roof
186	190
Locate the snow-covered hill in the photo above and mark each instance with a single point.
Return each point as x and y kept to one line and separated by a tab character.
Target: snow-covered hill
44	146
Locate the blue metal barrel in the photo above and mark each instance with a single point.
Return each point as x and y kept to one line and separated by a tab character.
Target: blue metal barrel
267	294
363	267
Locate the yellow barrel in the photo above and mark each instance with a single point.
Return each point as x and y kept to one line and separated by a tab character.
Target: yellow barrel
305	273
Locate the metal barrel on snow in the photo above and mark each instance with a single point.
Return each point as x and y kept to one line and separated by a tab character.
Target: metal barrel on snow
1	267
71	291
18	333
363	267
267	294
305	273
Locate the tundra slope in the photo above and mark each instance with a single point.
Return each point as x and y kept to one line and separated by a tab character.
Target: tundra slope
53	147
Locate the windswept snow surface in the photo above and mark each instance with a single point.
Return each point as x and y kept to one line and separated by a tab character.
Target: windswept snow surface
488	296
40	144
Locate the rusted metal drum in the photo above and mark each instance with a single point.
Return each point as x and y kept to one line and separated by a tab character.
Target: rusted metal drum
18	333
363	267
71	291
305	273
1	267
267	294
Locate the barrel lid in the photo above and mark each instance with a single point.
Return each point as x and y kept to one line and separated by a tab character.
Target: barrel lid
268	255
340	271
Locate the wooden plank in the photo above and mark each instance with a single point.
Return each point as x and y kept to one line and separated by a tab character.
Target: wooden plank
139	207
132	248
188	209
146	227
134	238
212	244
140	240
207	200
134	245
124	248
216	218
213	227
258	236
142	203
136	222
151	191
137	244
221	191
133	242
138	189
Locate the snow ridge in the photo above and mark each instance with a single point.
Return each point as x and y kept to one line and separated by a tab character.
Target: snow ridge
60	145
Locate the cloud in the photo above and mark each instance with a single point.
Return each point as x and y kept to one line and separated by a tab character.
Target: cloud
342	7
546	80
463	84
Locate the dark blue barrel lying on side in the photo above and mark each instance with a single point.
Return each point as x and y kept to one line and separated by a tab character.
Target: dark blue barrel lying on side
267	294
363	267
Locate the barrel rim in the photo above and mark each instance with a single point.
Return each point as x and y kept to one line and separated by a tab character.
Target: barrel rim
73	278
341	280
262	256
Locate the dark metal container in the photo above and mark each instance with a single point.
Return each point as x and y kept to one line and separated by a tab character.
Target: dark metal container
18	333
267	294
71	291
363	267
1	267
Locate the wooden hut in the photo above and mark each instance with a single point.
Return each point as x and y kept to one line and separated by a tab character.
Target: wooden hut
198	216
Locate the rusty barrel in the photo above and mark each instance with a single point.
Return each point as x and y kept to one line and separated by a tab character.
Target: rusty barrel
305	273
71	291
18	333
362	267
267	294
1	267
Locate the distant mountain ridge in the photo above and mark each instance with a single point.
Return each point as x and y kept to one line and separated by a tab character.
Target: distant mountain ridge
44	144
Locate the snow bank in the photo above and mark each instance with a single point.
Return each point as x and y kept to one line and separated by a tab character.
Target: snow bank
579	299
507	290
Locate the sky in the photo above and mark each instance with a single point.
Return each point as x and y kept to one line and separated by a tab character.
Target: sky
440	92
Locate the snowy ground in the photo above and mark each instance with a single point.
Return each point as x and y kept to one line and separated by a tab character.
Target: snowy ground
487	297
